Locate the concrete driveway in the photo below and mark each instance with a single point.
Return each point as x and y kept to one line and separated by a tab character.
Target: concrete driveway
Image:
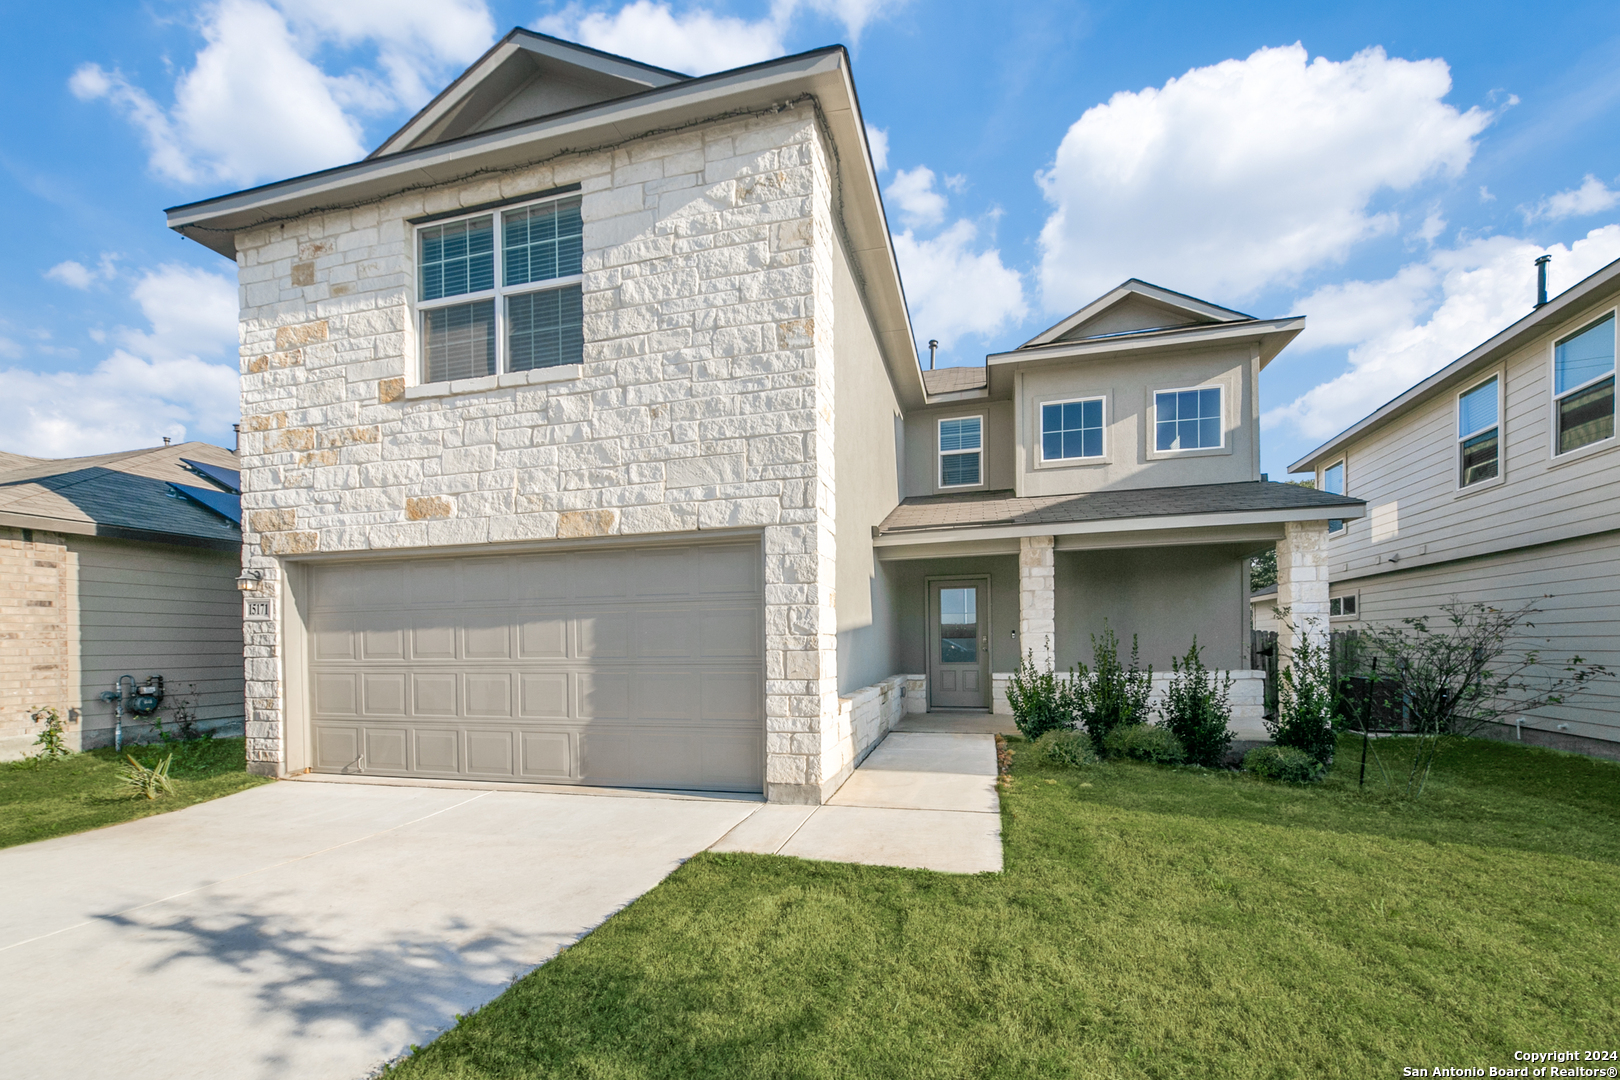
309	930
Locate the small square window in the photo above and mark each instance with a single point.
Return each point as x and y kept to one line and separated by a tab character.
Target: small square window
961	448
1072	429
1188	419
1342	606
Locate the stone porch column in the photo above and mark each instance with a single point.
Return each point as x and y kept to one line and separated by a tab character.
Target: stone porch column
1302	585
1037	599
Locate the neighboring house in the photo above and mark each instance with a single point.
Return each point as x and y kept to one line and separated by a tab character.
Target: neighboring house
1263	609
1490	482
585	442
120	564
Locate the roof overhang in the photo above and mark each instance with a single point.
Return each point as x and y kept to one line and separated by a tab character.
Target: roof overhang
1594	287
823	74
1196	310
1121	529
76	527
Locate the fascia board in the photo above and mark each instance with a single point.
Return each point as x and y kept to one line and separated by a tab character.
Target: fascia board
1124	527
1485	355
72	527
1275	334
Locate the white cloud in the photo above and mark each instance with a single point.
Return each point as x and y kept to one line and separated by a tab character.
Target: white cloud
76	275
1246	173
953	290
878	140
1409	326
912	192
1592	197
177	377
255	104
697	40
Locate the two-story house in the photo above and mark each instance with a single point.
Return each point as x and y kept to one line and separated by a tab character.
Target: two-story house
1485	484
585	442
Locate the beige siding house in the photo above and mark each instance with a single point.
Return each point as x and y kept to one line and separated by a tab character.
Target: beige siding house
122	564
585	442
1492	481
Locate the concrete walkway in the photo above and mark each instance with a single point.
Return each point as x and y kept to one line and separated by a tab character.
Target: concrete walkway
309	930
921	799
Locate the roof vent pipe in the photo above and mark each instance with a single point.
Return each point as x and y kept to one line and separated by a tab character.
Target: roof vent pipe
165	440
236	444
933	347
1541	279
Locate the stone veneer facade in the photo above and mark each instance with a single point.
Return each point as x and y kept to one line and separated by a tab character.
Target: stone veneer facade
705	401
39	642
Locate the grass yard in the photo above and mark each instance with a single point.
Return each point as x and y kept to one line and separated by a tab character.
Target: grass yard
82	791
1150	923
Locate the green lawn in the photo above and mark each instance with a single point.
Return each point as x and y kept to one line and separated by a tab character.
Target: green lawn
82	791
1150	923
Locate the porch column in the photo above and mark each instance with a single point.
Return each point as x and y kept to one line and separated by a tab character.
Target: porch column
1037	599
1302	585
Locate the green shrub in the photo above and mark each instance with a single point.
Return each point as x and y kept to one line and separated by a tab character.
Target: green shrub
1066	748
148	782
1040	701
1285	763
1305	709
1111	695
1197	707
1145	742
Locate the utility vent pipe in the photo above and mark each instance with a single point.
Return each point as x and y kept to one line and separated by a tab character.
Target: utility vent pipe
933	347
1541	279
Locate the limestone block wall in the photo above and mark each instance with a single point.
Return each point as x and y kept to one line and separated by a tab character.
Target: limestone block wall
1302	585
38	638
704	400
863	718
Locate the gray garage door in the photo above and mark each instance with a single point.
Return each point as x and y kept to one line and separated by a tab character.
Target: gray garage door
631	667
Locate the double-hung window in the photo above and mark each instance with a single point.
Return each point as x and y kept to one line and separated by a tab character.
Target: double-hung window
1478	433
513	305
961	452
1583	385
1072	429
1333	484
1188	419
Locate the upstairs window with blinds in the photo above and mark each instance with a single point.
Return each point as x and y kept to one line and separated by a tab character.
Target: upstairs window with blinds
517	305
1478	431
961	452
1583	386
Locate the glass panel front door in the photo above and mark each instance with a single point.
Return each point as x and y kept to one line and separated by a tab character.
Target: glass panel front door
958	663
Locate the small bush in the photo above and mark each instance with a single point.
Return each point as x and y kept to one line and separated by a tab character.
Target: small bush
1040	701
146	782
1145	742
1287	764
1197	707
1066	748
1111	695
1306	701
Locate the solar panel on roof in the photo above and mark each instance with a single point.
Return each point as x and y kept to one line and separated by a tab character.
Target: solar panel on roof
226	506
229	479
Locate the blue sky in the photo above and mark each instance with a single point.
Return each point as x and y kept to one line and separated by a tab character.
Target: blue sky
1387	170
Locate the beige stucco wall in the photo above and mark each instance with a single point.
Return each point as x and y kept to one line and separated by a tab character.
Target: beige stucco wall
1127	386
38	637
705	401
922	446
868	444
910	579
1164	595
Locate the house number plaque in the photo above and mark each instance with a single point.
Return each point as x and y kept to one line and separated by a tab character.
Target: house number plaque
258	609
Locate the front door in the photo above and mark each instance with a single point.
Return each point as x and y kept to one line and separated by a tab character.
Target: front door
959	644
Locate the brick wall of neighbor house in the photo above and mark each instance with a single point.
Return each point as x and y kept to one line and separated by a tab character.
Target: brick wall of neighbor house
705	403
38	638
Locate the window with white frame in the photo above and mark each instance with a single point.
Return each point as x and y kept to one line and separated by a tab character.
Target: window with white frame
1583	385
1072	430
1333	484
1478	430
1188	419
517	305
961	451
1342	607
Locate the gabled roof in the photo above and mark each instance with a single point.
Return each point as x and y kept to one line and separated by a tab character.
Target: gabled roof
134	495
1594	287
954	380
524	76
1135	306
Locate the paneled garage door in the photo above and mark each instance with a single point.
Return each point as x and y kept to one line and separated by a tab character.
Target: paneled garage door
631	667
